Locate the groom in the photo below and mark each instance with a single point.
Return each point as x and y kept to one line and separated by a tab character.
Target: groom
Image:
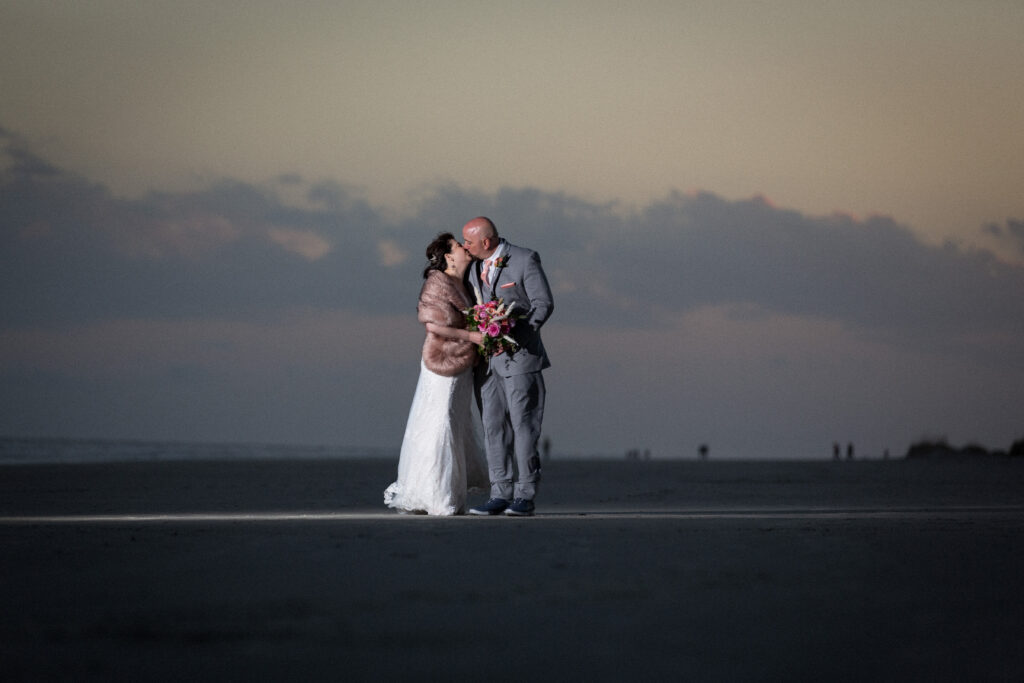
510	388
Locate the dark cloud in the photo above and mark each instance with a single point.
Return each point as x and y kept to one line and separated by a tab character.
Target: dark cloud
286	285
73	251
691	251
1012	232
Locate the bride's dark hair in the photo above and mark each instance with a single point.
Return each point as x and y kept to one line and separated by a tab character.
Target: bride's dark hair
436	251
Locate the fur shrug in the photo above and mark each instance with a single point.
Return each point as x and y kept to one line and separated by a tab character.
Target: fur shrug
442	302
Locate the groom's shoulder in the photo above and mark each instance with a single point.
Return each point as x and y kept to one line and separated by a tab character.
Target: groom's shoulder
517	250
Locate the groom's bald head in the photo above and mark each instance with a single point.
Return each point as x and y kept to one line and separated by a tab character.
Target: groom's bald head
480	237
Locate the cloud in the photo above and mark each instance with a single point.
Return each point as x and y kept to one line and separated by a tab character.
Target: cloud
391	253
734	322
873	275
308	245
288	378
18	162
613	267
72	252
71	249
190	235
272	346
1012	232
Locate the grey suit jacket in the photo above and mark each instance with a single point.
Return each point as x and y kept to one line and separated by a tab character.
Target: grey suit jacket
520	280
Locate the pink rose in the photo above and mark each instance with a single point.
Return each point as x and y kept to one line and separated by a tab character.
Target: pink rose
493	330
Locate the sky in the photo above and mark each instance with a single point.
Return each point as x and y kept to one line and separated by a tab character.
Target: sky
768	226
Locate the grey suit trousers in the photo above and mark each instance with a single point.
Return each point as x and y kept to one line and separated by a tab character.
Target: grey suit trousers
513	410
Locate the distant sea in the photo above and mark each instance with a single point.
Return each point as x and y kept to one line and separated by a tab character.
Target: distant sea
56	451
29	451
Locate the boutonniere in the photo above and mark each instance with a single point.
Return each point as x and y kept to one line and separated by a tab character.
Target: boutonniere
502	262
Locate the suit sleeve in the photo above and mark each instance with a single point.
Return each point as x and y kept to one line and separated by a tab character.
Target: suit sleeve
535	283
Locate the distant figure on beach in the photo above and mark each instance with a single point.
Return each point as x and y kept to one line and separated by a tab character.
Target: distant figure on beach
635	454
440	457
703	451
509	386
849	451
546	446
836	450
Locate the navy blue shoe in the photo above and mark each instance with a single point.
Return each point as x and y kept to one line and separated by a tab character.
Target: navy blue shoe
495	506
520	507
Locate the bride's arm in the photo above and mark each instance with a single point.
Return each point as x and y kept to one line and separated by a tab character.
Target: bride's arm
455	333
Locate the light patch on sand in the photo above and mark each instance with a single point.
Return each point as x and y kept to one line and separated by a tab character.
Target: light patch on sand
754	514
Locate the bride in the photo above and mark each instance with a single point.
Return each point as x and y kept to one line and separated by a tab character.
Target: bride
440	458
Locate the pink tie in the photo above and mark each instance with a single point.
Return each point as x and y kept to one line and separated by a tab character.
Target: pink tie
483	273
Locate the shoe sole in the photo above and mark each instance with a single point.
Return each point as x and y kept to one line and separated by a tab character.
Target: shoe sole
512	513
484	513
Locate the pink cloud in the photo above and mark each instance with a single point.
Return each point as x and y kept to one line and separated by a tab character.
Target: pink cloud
191	235
306	244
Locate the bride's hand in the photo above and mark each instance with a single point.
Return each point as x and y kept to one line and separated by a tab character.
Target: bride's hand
477	338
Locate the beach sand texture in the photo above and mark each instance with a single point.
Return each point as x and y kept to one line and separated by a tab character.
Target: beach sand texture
699	571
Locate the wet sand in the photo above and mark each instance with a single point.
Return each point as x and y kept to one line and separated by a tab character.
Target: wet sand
269	570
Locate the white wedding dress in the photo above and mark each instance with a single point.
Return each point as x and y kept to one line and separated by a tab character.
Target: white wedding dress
441	458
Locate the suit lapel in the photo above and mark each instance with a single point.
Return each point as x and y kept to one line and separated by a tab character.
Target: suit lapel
494	283
498	270
478	281
495	274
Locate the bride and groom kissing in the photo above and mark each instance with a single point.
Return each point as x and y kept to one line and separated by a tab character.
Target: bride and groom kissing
464	379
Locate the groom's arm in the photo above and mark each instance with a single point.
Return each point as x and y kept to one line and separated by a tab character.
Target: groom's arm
535	284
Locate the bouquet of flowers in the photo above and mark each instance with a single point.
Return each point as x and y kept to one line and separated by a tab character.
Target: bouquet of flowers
494	319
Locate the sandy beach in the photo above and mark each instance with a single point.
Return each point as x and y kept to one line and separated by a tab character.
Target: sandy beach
701	571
